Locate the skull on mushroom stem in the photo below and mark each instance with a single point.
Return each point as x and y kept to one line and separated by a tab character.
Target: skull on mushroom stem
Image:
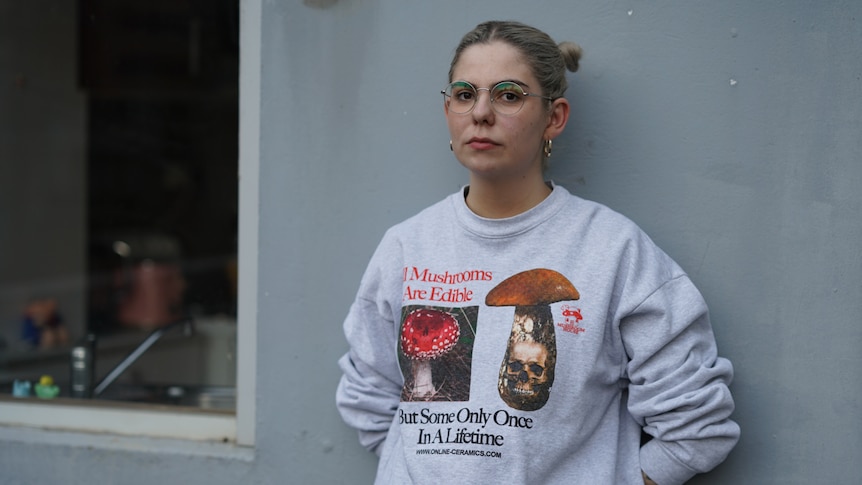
526	368
527	373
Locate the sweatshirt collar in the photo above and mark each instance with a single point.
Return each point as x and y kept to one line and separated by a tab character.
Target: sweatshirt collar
509	226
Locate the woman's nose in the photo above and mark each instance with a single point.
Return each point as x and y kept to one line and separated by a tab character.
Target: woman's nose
483	110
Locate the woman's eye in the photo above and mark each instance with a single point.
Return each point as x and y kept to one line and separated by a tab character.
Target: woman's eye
463	95
508	96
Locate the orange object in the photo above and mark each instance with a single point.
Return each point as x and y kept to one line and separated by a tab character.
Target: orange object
155	295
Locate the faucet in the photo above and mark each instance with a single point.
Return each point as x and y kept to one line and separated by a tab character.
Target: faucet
84	358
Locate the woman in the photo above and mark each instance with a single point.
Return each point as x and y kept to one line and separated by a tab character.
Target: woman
515	333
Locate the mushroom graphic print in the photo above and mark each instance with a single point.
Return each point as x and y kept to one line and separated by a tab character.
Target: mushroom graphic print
436	353
527	373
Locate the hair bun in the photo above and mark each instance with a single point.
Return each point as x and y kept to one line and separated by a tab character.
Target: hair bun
571	55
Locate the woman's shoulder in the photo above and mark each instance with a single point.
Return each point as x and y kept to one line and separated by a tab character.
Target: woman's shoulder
431	219
610	228
598	214
438	211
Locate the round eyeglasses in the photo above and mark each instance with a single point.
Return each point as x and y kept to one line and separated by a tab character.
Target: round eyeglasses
507	97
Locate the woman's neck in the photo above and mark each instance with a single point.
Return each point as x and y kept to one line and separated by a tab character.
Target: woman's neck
500	199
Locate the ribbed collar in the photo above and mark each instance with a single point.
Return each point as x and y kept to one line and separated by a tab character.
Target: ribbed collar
509	226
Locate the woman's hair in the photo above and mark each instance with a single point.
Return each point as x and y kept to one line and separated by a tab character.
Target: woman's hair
547	59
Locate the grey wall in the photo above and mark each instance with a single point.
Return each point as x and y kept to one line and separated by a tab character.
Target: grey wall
729	131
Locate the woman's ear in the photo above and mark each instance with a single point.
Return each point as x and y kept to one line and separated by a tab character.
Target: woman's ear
559	116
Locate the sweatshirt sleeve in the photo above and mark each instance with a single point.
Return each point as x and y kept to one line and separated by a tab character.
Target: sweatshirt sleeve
678	385
369	391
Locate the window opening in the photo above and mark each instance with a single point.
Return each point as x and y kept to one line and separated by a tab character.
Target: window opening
121	281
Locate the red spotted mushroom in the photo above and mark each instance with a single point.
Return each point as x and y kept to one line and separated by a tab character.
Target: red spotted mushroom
426	335
527	373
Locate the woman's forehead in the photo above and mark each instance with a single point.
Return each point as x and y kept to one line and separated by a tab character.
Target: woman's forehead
487	64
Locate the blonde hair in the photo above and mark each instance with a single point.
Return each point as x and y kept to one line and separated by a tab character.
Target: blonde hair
547	60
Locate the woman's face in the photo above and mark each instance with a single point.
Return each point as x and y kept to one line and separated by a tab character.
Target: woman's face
490	145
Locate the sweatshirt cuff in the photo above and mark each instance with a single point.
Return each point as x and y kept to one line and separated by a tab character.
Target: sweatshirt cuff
661	466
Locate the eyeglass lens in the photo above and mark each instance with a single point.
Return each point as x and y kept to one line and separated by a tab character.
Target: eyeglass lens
507	98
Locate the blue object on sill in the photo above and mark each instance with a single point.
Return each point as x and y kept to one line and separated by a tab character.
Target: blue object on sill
21	388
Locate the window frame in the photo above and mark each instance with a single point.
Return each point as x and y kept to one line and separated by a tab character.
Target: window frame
161	422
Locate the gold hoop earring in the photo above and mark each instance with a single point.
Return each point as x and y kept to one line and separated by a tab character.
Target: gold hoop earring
451	148
547	148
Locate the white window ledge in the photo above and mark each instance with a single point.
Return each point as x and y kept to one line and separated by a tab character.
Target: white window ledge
119	419
136	444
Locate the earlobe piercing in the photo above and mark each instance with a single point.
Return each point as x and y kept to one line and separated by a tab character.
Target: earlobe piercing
547	148
451	148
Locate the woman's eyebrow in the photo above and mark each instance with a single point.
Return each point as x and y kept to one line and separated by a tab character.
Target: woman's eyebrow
522	84
513	81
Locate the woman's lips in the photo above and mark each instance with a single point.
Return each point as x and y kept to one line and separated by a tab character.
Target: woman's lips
481	143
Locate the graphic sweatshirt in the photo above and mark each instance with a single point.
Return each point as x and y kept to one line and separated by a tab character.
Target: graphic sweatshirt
533	349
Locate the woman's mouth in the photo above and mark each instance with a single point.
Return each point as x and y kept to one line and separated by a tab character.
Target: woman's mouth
481	143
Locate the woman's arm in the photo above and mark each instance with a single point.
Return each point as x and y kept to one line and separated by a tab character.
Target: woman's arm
678	385
647	480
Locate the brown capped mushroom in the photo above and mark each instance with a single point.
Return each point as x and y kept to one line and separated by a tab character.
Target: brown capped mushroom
527	372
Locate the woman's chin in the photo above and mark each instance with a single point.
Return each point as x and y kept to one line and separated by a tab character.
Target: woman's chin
481	166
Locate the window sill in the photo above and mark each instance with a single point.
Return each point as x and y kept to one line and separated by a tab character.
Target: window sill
119	419
138	444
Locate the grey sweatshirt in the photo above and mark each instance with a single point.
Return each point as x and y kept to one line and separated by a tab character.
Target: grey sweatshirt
533	349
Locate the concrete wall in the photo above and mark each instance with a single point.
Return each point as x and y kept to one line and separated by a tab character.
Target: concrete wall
728	130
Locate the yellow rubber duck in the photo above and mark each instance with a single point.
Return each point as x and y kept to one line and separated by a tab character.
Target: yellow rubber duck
46	389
